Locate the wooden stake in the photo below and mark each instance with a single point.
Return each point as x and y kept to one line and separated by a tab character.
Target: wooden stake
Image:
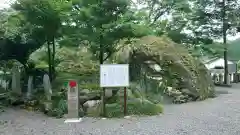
103	103
125	101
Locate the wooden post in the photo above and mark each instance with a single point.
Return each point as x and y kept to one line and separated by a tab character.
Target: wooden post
103	102
125	101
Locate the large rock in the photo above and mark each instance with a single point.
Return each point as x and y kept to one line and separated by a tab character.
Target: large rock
83	99
108	93
88	95
176	64
93	108
84	92
16	86
91	103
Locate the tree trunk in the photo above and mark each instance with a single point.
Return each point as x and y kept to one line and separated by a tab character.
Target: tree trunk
101	60
225	43
53	58
49	60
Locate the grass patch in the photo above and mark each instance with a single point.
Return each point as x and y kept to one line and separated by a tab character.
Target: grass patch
135	106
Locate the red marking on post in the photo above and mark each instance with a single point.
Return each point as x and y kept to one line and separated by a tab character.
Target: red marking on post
72	84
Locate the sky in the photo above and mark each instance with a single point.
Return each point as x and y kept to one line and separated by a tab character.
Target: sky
5	4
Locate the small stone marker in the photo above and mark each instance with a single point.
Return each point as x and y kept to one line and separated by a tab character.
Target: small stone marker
30	87
48	92
16	86
229	80
221	78
47	87
73	103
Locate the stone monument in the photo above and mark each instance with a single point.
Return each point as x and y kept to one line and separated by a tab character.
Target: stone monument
73	103
48	91
30	87
16	86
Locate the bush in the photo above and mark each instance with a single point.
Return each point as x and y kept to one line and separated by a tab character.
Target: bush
134	107
59	109
90	86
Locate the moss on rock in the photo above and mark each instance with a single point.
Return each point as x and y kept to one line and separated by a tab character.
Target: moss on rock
177	67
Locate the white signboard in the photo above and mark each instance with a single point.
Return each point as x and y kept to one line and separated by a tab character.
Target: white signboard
114	75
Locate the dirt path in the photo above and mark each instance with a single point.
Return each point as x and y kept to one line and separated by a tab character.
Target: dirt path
218	116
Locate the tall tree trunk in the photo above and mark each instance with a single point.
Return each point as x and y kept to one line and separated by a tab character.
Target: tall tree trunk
101	60
49	60
224	23
53	58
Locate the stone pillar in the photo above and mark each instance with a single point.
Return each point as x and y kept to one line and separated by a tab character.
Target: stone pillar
229	80
16	81
73	100
30	87
215	78
48	92
221	78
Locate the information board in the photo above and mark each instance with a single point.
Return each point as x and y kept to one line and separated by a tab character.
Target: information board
114	75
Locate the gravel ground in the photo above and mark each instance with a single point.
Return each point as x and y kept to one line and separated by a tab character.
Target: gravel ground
218	116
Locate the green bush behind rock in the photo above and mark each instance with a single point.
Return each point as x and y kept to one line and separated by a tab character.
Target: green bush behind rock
136	105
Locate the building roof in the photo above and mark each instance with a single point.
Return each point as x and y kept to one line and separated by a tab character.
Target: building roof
207	60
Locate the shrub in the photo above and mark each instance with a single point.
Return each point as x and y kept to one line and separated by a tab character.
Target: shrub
59	109
135	106
90	86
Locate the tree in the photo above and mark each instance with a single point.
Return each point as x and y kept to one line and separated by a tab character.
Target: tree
215	19
174	19
47	15
103	23
17	40
166	17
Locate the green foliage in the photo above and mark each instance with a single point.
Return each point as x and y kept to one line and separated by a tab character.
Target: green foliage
15	50
104	23
74	60
98	26
48	16
17	40
43	13
134	107
90	86
234	49
9	98
59	108
176	64
209	23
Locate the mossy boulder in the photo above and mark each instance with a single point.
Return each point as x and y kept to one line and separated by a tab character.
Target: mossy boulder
176	67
